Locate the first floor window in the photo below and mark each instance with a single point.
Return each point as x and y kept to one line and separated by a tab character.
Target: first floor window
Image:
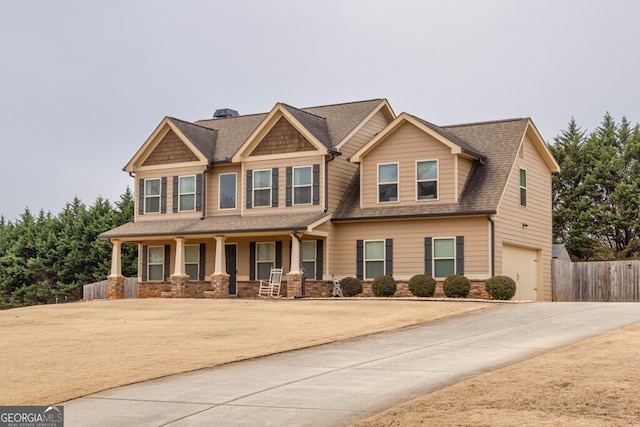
302	185
427	180
192	261
262	188
152	195
187	193
227	191
265	259
523	187
388	183
374	258
444	257
155	263
309	258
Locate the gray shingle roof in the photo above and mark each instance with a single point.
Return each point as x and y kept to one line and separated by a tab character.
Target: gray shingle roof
497	141
215	224
204	139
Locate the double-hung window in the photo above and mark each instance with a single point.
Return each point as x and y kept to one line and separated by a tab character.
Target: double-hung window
187	193
374	257
444	257
265	259
427	180
523	187
302	185
309	258
388	182
155	263
152	195
262	189
192	261
227	191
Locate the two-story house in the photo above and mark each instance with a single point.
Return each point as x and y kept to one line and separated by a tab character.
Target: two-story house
346	190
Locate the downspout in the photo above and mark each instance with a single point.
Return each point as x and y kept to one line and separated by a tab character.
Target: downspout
334	154
493	245
204	188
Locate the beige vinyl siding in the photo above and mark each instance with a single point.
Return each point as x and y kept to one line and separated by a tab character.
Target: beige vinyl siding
408	244
213	196
282	165
537	215
416	146
464	167
169	173
340	169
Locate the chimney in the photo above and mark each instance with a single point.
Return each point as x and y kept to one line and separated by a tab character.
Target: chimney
225	112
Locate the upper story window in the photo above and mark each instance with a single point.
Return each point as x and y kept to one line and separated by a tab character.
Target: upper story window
155	263
152	189
192	261
444	257
265	259
302	185
388	182
262	188
427	180
523	187
187	193
374	257
227	191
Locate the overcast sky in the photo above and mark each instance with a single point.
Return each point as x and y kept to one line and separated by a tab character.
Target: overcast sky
84	83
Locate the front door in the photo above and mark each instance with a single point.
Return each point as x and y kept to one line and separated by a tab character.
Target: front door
230	257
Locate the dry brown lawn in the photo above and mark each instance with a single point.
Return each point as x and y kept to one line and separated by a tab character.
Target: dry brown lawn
54	353
50	354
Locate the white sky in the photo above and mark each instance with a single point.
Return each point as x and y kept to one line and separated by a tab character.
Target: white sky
84	83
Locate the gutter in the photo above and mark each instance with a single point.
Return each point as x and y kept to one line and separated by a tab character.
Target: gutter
411	216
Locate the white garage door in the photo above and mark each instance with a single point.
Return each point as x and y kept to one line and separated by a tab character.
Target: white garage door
521	264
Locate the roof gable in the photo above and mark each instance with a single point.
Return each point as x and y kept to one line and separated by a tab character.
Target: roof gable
453	142
282	138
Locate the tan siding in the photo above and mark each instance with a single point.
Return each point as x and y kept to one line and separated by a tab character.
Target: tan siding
464	167
416	146
408	244
170	150
341	170
537	215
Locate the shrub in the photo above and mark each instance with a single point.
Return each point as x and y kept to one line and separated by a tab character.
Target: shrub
456	286
384	286
350	286
422	285
500	287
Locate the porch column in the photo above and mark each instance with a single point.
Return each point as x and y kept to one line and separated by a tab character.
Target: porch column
295	255
220	266
115	280
178	278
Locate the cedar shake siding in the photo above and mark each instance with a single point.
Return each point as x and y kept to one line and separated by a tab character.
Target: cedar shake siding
170	150
282	138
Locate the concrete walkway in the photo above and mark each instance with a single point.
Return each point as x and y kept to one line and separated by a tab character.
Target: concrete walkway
336	384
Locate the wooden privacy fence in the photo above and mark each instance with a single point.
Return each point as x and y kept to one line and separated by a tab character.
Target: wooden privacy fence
600	281
98	290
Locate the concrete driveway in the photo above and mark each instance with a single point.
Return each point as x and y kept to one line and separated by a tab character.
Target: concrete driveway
339	383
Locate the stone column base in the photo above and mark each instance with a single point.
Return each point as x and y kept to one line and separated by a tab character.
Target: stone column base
115	287
294	285
220	285
178	284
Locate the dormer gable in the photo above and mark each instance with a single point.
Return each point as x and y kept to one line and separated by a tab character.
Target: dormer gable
454	144
286	130
174	142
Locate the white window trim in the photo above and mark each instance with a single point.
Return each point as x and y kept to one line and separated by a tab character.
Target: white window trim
364	257
433	255
294	186
235	197
180	194
426	180
520	188
197	246
149	264
254	189
159	196
396	182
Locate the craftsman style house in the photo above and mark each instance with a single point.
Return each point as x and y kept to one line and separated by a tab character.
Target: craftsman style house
347	190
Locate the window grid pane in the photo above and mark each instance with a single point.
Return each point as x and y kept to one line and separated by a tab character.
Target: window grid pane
427	180
374	269
152	196
444	267
309	251
265	252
